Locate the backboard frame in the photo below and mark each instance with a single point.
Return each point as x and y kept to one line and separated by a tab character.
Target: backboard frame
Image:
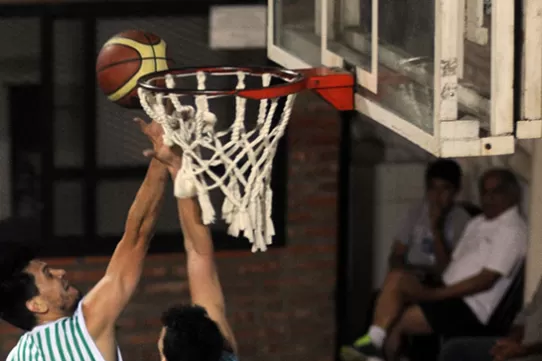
452	137
275	52
529	126
366	78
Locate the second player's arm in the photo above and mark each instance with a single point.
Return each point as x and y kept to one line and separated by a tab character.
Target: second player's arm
205	288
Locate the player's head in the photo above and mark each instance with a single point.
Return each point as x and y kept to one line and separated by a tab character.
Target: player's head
30	290
188	334
499	190
442	181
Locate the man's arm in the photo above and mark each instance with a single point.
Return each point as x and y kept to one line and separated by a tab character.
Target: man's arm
456	222
442	253
508	349
107	299
516	332
203	280
448	223
483	281
105	302
504	255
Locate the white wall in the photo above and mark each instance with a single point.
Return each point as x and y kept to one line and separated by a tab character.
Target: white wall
397	180
398	186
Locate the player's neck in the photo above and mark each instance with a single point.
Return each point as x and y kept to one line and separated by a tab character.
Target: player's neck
52	317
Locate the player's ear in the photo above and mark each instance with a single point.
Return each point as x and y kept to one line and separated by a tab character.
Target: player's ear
37	305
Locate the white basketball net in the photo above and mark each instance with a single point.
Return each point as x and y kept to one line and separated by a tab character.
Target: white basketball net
247	155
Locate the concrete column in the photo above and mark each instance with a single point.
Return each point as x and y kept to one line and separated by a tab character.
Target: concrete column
534	266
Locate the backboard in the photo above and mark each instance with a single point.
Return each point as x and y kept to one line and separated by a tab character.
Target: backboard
439	73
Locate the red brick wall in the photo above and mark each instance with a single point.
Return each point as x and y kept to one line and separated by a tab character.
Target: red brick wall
280	303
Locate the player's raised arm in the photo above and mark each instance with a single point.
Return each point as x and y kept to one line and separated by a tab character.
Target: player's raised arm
204	283
105	302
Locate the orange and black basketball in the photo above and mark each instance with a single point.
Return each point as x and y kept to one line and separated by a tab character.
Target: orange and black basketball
124	59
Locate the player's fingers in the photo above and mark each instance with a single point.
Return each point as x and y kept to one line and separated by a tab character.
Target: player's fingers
149	153
142	124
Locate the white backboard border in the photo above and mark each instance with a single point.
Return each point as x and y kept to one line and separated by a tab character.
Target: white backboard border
366	78
451	137
530	124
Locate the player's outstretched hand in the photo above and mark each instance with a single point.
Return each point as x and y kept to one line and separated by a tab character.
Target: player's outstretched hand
169	156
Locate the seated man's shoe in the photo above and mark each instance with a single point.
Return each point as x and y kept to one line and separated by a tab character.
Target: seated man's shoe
362	349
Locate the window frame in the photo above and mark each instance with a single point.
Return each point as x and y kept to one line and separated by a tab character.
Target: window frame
90	174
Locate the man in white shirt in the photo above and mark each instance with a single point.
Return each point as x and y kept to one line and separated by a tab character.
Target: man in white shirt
482	267
523	341
429	231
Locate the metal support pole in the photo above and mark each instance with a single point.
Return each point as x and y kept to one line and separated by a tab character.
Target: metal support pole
343	230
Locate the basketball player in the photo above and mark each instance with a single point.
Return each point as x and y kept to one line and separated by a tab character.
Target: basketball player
60	324
198	332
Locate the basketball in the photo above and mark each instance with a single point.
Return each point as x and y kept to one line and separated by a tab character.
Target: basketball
125	58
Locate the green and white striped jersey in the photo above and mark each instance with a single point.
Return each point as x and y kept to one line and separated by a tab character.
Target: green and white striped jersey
64	340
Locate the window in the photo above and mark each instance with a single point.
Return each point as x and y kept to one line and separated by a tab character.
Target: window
78	169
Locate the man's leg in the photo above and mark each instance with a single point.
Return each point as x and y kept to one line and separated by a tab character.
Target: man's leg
467	349
450	317
412	322
390	302
389	305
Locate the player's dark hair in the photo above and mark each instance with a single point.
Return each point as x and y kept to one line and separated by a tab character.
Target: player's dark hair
445	169
190	335
16	286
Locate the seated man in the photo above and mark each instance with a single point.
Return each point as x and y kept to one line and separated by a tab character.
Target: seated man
429	232
524	341
198	332
482	268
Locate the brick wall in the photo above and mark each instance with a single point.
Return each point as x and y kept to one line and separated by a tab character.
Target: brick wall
280	303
